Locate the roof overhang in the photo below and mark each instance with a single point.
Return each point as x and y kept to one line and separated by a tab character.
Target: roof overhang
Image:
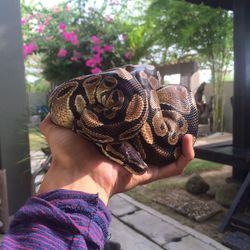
224	4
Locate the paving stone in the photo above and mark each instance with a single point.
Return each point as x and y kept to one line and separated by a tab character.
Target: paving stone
187	243
189	205
120	207
153	227
189	231
128	238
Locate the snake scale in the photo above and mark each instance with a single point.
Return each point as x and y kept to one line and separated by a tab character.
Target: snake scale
128	114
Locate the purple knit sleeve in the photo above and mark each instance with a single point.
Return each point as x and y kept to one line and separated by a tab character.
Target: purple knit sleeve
60	219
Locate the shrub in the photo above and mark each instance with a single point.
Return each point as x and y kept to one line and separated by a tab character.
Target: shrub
73	39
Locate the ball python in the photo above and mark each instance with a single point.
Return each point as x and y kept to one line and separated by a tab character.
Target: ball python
126	112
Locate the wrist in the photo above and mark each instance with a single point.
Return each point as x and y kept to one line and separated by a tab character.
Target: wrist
71	179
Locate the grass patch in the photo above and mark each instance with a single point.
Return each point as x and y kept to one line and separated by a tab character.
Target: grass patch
37	140
148	192
197	166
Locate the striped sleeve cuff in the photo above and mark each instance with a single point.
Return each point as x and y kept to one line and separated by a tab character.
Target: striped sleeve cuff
63	217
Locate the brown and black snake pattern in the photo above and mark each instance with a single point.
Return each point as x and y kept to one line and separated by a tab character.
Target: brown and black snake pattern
128	114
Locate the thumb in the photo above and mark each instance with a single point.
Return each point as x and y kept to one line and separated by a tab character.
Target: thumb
187	151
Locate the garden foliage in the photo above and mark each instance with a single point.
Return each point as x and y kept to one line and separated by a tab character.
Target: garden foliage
74	38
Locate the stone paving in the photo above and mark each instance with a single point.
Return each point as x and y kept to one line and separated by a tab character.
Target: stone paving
136	227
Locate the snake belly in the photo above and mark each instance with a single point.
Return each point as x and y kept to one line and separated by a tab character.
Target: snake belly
126	112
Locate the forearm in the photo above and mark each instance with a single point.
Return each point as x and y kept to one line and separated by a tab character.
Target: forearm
58	220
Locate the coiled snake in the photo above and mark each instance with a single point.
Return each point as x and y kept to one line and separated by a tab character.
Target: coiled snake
128	114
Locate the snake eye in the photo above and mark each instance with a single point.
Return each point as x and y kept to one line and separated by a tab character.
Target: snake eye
132	158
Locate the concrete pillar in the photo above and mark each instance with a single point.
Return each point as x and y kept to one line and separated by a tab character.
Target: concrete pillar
14	147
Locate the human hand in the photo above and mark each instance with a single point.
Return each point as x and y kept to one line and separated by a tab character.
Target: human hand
78	165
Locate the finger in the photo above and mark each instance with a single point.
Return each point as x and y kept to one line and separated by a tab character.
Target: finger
178	166
187	151
155	173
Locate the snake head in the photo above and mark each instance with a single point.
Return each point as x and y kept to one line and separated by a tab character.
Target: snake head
133	161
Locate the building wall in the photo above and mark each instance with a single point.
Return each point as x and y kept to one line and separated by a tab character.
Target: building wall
195	81
228	110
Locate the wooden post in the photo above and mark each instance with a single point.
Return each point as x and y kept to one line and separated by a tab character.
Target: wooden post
14	145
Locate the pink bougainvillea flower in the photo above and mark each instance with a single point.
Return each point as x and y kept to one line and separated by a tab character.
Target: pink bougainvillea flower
108	19
62	52
95	70
108	48
97	49
28	49
62	26
71	37
30	17
74	39
95	39
23	21
40	28
97	58
66	36
33	47
91	62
